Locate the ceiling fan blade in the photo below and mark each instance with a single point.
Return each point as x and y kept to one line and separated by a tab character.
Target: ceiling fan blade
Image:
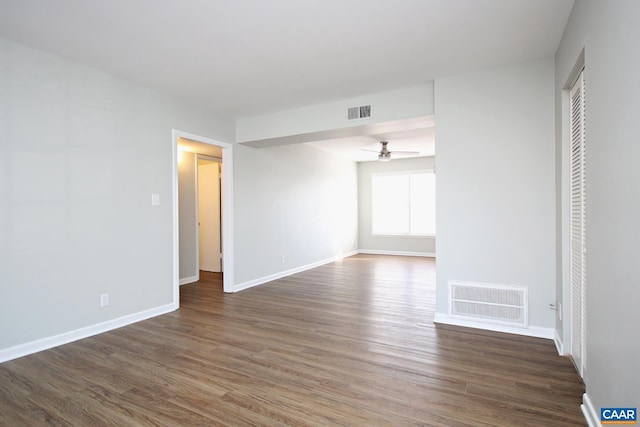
405	152
371	151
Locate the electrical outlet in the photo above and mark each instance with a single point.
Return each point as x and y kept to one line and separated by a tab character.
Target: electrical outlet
104	300
282	259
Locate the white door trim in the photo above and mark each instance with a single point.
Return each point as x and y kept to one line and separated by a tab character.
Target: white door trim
565	211
227	210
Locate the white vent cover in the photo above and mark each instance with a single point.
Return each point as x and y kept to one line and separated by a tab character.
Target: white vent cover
361	112
489	303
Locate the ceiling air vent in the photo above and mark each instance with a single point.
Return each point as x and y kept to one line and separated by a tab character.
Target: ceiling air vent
361	112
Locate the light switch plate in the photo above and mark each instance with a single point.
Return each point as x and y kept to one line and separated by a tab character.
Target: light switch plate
155	199
104	300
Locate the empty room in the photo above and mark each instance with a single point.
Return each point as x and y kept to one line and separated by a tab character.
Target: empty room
419	212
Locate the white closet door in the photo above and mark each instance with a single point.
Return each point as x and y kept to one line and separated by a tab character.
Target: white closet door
209	216
578	232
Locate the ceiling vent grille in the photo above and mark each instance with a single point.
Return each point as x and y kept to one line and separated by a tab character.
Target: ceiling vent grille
362	112
489	303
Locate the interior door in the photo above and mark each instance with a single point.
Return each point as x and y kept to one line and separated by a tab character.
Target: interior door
578	230
209	215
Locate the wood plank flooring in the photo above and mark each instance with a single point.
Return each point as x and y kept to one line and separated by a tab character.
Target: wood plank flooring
347	344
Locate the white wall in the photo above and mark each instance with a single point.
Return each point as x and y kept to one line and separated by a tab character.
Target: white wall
496	188
294	201
366	240
81	152
608	32
188	228
316	119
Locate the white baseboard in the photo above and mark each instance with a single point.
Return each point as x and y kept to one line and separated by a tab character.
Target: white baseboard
188	280
88	331
589	412
531	331
275	276
558	342
397	253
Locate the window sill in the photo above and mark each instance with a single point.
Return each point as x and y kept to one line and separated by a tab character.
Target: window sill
410	236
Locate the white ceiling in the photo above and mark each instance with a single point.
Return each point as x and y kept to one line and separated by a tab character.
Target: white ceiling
190	146
248	57
409	135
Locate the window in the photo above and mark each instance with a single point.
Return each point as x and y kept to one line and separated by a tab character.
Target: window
404	203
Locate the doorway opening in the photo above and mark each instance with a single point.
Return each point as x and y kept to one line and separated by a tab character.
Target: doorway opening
184	145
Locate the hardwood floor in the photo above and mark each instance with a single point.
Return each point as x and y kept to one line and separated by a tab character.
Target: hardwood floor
347	344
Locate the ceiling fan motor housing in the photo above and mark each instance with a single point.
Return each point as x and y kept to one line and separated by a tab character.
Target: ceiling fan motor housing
385	154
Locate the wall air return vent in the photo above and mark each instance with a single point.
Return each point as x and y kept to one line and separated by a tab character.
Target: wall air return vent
489	303
362	112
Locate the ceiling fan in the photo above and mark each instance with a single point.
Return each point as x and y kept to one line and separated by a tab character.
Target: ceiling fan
385	155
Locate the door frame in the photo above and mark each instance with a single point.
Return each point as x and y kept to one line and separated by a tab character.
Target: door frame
227	210
565	311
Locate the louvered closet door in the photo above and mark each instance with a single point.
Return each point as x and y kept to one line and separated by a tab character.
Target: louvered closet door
578	235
